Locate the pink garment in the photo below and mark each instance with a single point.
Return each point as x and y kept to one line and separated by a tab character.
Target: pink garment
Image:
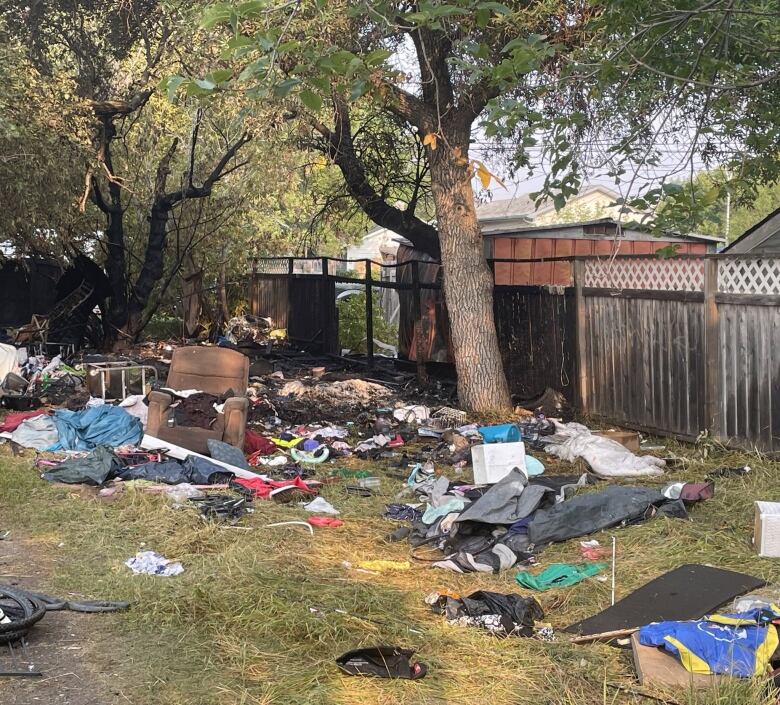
12	421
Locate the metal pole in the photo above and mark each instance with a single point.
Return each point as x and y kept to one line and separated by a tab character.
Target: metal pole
614	556
369	316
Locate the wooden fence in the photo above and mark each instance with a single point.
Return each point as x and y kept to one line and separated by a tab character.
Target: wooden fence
676	346
682	346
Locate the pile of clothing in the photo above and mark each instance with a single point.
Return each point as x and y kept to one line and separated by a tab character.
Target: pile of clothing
492	528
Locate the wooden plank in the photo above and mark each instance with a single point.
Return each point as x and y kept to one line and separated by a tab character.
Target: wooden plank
711	344
654	295
581	345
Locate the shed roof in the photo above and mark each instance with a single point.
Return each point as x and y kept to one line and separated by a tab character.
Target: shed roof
597	228
764	236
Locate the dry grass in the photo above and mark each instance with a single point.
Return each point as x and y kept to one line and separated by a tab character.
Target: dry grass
258	616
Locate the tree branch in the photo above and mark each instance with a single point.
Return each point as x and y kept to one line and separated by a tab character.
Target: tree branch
169	200
341	150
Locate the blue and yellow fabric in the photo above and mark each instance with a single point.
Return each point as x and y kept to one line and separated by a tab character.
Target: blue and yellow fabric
730	644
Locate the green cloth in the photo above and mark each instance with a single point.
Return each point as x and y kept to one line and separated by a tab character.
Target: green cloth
559	575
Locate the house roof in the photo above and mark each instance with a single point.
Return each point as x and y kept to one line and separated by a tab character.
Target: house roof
597	227
523	206
756	236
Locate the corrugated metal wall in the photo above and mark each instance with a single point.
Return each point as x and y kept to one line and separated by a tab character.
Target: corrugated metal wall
645	359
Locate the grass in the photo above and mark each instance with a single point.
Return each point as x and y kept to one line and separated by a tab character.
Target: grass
259	616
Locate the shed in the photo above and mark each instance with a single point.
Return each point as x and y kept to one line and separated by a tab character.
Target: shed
604	236
762	239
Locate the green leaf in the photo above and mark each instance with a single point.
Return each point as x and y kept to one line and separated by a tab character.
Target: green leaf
311	100
214	15
254	69
496	7
283	88
358	89
205	84
171	85
219	76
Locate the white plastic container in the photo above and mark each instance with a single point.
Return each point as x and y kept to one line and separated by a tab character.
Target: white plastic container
766	533
494	461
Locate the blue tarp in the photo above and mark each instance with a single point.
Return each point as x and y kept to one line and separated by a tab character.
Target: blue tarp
98	426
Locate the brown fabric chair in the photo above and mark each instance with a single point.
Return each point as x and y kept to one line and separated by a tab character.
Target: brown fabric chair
211	370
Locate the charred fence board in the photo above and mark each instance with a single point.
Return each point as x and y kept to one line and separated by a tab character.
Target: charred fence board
269	298
536	333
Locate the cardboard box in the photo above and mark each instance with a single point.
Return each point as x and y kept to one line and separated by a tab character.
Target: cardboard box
494	461
766	530
628	439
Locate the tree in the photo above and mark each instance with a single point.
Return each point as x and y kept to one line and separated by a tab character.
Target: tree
599	83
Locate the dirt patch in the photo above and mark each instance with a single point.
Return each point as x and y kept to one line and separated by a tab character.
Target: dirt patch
62	645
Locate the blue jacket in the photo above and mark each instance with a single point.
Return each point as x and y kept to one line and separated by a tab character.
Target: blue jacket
733	644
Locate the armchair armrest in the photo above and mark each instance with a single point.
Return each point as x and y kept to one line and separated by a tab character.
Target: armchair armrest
236	411
159	402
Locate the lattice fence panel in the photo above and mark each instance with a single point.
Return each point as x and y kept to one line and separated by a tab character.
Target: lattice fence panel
272	266
749	276
653	274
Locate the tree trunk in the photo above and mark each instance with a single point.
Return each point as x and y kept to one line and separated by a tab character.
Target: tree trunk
223	297
151	271
468	282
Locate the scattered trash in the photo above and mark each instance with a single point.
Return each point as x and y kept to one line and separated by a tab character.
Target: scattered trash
607	458
325	521
559	575
152	563
739	644
502	615
320	505
381	662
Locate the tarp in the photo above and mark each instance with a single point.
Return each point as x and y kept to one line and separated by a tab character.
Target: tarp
95	469
100	425
509	500
39	433
607	458
591	512
194	470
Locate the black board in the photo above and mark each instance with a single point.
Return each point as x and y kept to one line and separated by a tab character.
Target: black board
687	592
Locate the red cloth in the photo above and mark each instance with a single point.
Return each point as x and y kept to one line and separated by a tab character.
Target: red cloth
12	421
325	521
263	488
255	443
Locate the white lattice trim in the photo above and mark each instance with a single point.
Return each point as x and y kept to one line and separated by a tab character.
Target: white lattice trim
749	276
653	274
272	266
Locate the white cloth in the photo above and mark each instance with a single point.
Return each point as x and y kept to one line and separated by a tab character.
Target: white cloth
134	405
8	360
607	458
321	505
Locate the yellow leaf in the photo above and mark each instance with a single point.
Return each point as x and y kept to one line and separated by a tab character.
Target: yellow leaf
483	174
430	139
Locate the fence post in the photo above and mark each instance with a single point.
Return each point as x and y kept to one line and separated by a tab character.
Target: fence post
583	376
711	347
290	266
422	373
369	316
